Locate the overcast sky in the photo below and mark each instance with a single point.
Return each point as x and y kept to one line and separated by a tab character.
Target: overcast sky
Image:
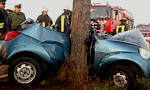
33	8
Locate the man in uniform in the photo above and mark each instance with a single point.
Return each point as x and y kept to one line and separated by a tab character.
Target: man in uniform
4	20
123	26
63	22
17	17
44	19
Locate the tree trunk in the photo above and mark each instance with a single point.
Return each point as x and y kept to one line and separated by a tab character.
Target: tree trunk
79	32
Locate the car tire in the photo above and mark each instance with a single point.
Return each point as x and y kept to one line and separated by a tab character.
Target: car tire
24	72
123	77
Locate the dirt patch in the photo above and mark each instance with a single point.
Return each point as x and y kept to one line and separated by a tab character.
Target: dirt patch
3	76
3	69
4	80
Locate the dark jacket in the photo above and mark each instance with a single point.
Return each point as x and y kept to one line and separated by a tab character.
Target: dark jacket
16	18
46	19
121	28
126	27
4	19
67	22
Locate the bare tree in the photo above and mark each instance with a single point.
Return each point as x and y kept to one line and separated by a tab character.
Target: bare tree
79	32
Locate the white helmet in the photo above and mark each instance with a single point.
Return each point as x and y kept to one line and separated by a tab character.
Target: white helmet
45	9
66	8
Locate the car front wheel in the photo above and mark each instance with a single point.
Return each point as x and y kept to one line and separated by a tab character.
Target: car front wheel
24	71
122	76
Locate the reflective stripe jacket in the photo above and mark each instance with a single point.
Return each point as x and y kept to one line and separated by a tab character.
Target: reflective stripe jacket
1	25
44	20
4	21
121	28
63	22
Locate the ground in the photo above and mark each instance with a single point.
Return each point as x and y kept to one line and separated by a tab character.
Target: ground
54	84
6	84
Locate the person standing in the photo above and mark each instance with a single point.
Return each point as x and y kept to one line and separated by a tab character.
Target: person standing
63	22
122	27
44	19
17	17
4	20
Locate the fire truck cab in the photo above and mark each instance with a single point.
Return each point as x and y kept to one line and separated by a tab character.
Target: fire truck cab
109	17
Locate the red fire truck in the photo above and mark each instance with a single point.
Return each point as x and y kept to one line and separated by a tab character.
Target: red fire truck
145	30
109	17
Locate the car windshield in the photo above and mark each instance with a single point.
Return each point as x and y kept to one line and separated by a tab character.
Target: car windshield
100	12
133	37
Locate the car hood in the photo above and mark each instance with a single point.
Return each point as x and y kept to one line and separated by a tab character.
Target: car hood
131	37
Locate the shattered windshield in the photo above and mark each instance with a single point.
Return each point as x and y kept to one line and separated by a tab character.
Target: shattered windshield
133	37
100	12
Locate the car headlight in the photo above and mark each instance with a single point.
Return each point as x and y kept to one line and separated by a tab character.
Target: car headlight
144	53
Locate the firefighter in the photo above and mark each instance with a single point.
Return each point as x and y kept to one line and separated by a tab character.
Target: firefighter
63	22
44	19
17	17
4	20
122	27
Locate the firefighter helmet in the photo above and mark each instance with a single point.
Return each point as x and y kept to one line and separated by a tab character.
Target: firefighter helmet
66	8
45	9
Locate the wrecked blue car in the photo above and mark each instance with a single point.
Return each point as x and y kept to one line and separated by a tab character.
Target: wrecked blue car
35	51
123	59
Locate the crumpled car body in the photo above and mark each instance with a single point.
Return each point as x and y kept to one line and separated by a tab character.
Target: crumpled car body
51	46
122	55
122	47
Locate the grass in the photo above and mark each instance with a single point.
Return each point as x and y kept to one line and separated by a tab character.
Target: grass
56	84
64	82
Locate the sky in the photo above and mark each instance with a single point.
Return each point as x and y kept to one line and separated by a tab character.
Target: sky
33	8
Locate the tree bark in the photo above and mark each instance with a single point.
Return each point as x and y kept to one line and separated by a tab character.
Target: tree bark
80	28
